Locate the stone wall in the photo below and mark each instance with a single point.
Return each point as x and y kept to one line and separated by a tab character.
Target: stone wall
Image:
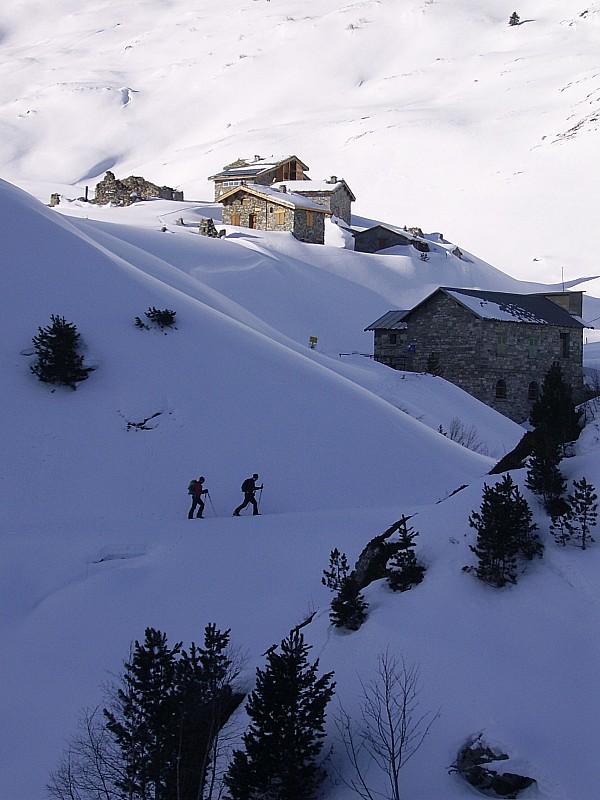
337	202
377	238
266	215
475	354
127	191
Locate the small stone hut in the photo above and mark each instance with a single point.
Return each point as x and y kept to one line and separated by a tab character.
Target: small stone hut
268	208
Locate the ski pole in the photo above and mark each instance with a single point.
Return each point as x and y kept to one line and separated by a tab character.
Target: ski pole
260	496
211	503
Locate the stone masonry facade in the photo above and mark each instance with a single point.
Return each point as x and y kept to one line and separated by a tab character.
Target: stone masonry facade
501	363
249	211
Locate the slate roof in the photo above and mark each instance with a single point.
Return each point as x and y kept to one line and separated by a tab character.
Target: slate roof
509	307
247	168
288	199
392	321
505	306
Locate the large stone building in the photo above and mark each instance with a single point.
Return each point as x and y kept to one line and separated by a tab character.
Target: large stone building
495	345
268	208
333	194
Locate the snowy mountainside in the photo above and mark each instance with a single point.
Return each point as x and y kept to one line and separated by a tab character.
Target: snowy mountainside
96	541
439	116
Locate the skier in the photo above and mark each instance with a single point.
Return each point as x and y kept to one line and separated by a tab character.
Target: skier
196	490
249	487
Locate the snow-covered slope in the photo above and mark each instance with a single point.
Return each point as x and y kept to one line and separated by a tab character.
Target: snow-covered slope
437	115
95	537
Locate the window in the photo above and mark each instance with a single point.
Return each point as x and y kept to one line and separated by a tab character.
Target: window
232	183
235	218
280	217
564	345
245	201
393	338
533	391
533	347
501	390
501	346
310	218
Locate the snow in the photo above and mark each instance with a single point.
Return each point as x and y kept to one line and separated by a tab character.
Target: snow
445	132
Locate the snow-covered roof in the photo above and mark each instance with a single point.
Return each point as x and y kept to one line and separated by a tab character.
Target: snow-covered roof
323	186
289	199
508	307
245	167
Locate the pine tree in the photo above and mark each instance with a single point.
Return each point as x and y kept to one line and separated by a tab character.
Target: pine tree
205	700
284	741
514	19
432	366
583	512
338	570
404	571
544	477
554	415
504	531
143	719
57	358
348	607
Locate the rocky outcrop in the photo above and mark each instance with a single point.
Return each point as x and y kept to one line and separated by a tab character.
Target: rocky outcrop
127	191
473	764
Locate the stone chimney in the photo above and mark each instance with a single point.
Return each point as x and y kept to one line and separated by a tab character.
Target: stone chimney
283	188
333	179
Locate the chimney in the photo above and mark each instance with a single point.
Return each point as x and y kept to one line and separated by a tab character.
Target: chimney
333	179
283	188
257	158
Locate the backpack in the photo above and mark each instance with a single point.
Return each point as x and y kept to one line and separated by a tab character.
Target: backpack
192	487
248	485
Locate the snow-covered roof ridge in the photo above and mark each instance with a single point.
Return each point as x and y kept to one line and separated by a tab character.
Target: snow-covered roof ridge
512	307
290	199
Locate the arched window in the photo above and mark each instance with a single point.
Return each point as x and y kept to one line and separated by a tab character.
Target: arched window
533	391
501	389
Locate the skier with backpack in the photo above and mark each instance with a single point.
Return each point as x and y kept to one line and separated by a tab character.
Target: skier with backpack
249	487
196	489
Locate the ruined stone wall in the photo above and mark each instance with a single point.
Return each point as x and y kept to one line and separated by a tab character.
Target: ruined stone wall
127	191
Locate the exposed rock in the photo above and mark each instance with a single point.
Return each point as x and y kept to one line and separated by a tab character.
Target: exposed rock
127	191
207	228
470	764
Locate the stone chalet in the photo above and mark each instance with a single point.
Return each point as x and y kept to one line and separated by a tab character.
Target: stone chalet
495	345
267	208
333	194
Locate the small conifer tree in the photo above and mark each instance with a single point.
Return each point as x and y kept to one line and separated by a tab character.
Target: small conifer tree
504	531
514	19
583	513
348	607
404	571
282	746
554	415
432	366
544	477
56	349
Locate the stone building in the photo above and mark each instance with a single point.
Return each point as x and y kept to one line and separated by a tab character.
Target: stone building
377	238
127	191
495	345
258	171
333	194
268	208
